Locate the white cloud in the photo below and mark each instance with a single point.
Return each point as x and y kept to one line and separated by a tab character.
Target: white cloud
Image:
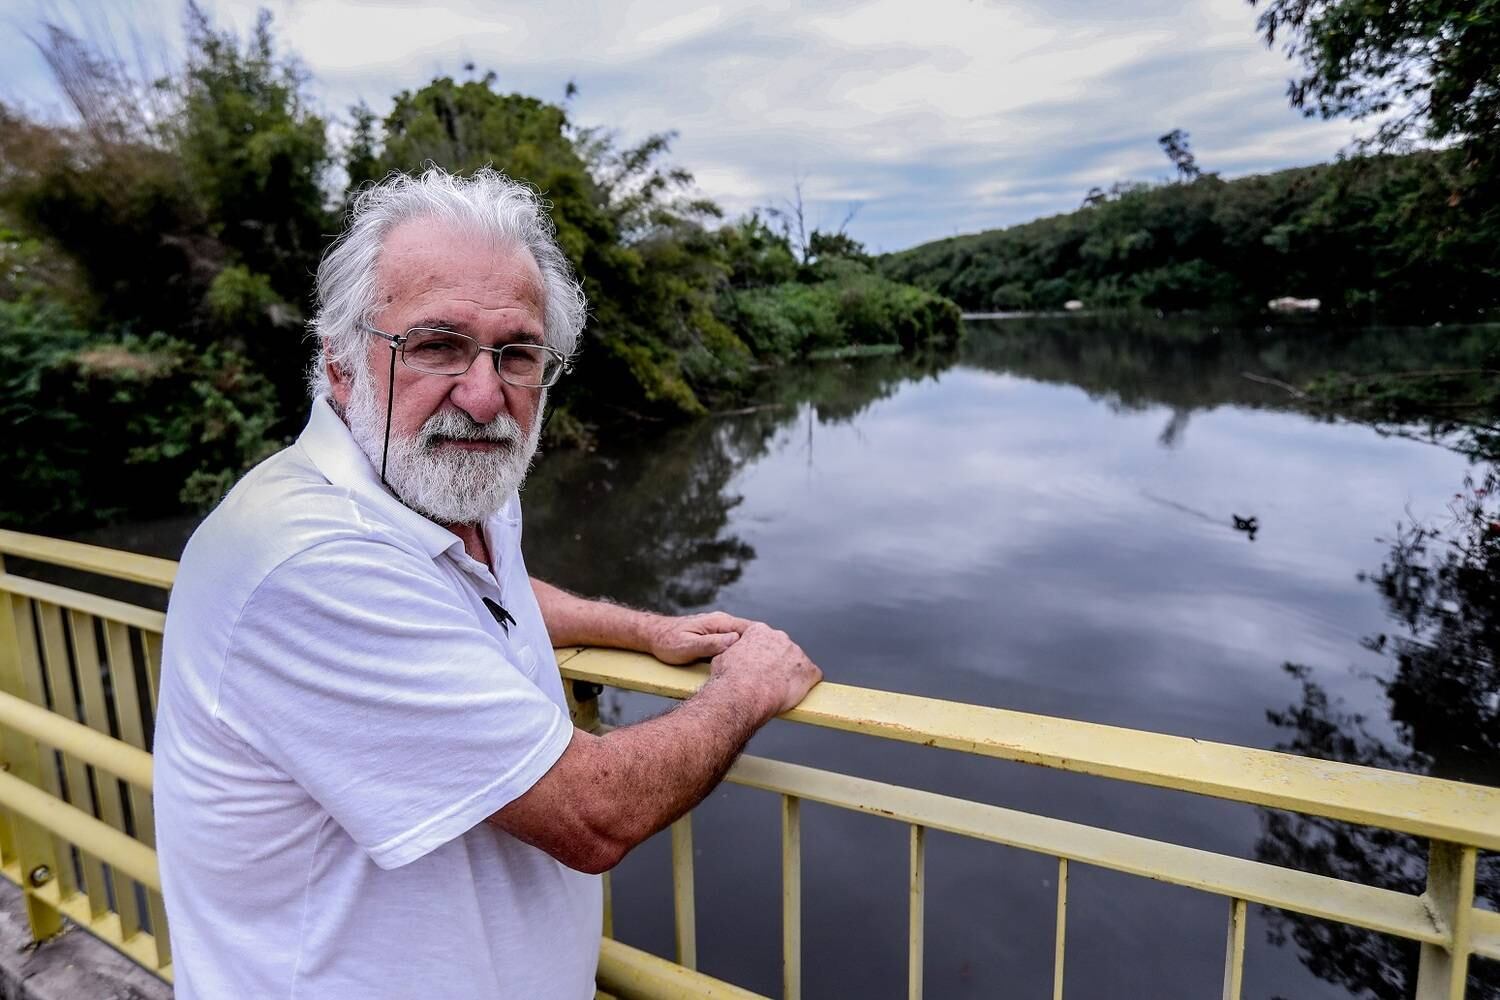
940	117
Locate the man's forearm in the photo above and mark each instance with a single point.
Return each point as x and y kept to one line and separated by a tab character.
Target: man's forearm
577	621
609	793
667	765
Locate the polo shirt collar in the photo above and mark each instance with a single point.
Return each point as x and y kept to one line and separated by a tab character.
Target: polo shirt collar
330	446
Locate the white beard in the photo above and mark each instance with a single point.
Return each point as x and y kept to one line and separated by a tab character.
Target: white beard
446	485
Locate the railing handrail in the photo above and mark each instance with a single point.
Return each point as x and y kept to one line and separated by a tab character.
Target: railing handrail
114	563
1410	803
1395	800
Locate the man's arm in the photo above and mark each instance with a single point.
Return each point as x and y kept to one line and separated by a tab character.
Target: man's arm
576	621
606	794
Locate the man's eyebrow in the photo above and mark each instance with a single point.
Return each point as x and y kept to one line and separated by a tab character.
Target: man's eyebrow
445	325
452	326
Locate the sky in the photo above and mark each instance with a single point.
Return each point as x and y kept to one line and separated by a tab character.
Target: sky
922	118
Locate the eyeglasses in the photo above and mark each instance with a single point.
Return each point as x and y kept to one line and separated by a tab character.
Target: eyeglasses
443	352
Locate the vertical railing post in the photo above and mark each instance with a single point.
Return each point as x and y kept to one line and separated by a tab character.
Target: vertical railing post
108	799
607	885
1060	939
1443	971
1234	950
791	897
132	721
55	664
35	848
917	893
7	837
683	910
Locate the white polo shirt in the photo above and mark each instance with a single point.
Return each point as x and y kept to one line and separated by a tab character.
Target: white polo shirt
339	713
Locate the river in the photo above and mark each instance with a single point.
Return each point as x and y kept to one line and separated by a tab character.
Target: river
1042	519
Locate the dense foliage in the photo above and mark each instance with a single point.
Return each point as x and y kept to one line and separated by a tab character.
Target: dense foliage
158	251
1372	237
126	426
1425	69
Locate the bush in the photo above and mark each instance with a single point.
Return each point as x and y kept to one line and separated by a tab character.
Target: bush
121	427
792	320
786	320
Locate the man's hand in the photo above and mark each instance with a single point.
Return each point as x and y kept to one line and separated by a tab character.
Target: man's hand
693	637
655	771
770	667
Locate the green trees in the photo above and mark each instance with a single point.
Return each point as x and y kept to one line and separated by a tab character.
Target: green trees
193	205
1372	237
650	269
159	247
680	305
254	154
1424	69
1424	72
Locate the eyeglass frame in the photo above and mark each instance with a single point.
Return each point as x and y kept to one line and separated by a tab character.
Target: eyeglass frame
398	345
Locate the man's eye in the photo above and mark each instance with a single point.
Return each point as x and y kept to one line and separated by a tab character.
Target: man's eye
434	347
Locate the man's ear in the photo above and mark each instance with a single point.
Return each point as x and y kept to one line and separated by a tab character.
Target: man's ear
338	379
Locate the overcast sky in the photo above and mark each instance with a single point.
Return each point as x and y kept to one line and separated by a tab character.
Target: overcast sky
933	117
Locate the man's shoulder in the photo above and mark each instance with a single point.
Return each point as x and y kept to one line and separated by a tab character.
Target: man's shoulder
282	508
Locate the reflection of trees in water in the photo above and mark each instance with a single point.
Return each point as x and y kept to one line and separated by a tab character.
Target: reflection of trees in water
646	519
1188	363
1442	589
645	525
1134	364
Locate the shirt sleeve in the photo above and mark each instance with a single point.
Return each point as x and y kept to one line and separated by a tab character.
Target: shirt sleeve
363	676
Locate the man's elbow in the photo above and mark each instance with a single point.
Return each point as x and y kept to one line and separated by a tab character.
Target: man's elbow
596	856
579	847
604	834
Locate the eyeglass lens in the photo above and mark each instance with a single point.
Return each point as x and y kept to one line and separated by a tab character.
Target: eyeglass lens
442	352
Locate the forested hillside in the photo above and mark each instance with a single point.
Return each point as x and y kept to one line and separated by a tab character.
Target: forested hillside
1377	237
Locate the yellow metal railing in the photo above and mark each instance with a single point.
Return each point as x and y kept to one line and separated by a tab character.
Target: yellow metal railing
78	688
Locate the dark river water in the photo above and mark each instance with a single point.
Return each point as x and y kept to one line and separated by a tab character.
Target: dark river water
1043	519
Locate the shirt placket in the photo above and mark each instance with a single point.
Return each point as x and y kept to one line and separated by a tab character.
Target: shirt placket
487	585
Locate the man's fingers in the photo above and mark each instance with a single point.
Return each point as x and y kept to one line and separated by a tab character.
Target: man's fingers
716	642
722	621
690	646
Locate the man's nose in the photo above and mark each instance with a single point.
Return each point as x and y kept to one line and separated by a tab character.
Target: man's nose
480	392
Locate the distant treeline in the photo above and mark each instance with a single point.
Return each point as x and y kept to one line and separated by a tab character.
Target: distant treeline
157	253
1389	237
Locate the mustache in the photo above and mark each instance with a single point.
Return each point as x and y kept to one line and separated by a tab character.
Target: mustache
458	426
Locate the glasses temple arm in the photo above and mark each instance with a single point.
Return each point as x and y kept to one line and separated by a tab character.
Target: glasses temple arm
390	401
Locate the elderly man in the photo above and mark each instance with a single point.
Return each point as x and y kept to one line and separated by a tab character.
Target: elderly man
367	785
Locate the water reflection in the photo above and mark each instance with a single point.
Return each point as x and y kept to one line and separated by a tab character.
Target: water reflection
646	520
1184	364
1191	365
1441	585
970	525
646	526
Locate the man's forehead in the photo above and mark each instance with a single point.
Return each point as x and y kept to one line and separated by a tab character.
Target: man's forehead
429	255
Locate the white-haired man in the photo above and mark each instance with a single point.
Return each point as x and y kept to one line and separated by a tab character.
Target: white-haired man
367	785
